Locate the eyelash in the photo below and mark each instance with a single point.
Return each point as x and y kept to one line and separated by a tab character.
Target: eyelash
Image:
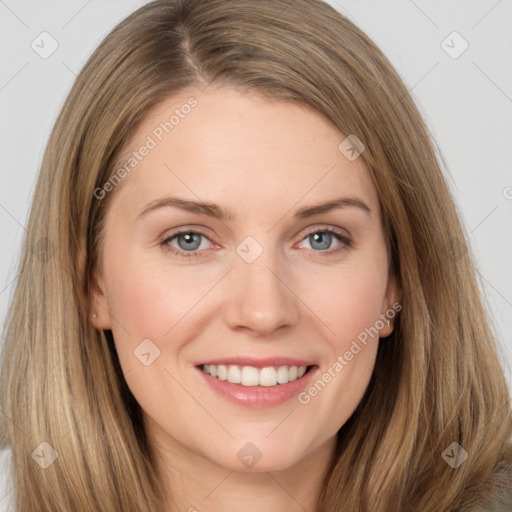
345	241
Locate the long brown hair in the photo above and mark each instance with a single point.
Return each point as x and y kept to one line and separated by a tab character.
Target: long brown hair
437	379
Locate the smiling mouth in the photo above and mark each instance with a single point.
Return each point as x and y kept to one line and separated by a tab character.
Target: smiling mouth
251	376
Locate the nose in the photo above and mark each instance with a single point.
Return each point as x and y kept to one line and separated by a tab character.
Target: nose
261	297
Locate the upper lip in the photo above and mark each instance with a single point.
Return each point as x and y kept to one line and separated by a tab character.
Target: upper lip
258	362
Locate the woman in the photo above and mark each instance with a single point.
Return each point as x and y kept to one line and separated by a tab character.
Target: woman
245	284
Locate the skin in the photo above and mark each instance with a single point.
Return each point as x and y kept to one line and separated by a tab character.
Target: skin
263	160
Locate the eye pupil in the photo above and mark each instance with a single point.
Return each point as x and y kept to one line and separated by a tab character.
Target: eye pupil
323	238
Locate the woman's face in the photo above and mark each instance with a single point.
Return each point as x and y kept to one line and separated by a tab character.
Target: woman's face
262	281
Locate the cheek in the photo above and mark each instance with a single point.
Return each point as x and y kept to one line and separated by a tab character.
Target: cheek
166	304
137	299
351	307
348	299
146	306
149	298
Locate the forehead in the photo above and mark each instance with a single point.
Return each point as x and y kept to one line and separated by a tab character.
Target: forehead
226	145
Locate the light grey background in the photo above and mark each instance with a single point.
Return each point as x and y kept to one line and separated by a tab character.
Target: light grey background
467	102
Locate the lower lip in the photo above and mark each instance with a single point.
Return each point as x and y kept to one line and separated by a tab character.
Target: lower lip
258	396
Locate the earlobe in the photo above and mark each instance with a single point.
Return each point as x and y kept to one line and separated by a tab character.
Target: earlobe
391	307
93	297
98	304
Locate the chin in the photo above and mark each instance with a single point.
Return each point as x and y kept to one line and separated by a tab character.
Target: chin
258	456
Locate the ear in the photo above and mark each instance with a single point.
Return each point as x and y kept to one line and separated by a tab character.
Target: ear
98	303
390	306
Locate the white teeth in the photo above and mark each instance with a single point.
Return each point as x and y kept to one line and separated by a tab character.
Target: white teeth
234	374
268	376
251	376
283	375
222	372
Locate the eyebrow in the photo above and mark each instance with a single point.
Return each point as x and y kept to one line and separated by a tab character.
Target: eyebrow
217	212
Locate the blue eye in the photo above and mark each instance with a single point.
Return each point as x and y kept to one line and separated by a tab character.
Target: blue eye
322	238
189	242
321	241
